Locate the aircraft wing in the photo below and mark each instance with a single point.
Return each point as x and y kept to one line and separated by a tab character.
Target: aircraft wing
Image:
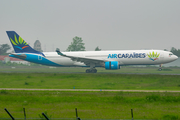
85	60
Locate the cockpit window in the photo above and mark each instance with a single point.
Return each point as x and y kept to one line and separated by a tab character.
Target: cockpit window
170	54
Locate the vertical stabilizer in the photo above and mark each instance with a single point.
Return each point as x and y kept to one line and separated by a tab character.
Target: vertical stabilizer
20	45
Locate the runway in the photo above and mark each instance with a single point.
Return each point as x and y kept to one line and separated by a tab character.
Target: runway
75	70
94	73
90	90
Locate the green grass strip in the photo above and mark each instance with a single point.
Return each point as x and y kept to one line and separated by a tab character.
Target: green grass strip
90	81
92	105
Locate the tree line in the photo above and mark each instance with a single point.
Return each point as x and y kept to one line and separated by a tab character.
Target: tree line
175	51
78	45
4	48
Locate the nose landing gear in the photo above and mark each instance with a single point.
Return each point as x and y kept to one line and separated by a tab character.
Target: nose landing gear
160	67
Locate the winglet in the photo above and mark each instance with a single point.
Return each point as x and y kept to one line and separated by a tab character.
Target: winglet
59	53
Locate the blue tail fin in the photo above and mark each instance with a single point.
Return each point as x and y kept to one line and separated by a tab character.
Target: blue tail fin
19	45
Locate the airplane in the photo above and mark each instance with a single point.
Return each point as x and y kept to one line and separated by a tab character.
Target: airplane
110	60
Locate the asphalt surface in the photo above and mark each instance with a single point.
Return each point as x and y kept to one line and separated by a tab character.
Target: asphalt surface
87	90
92	73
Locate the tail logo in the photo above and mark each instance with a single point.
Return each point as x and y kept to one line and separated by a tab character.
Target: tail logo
153	56
19	43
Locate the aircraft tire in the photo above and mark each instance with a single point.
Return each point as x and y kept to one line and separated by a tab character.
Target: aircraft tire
91	71
160	69
94	71
88	71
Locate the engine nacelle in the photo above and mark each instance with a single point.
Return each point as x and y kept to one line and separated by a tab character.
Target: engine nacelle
112	65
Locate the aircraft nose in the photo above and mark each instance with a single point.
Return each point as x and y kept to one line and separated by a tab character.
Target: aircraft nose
176	57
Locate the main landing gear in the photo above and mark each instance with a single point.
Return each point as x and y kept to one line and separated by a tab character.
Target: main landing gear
92	68
91	71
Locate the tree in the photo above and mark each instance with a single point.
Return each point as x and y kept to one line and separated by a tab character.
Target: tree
175	51
76	45
4	48
97	49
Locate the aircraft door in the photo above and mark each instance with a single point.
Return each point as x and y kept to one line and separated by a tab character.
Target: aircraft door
39	57
161	57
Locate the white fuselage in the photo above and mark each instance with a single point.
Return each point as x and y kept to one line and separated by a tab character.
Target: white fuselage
124	57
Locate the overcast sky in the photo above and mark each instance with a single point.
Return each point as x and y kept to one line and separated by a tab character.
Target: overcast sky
109	24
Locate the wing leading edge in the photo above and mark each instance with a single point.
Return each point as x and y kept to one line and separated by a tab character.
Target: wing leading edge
85	60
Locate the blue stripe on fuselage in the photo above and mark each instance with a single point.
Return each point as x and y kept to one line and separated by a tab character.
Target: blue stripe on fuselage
37	59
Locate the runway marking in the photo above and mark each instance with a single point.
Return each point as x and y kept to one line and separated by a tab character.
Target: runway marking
88	90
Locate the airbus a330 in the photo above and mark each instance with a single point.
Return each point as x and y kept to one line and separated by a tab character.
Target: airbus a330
110	60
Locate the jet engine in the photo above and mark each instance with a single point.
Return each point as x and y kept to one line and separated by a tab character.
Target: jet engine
112	65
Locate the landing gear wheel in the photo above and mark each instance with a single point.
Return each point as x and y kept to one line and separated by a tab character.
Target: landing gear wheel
91	71
88	71
160	69
94	71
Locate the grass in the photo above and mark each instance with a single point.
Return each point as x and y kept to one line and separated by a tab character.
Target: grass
93	105
90	81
